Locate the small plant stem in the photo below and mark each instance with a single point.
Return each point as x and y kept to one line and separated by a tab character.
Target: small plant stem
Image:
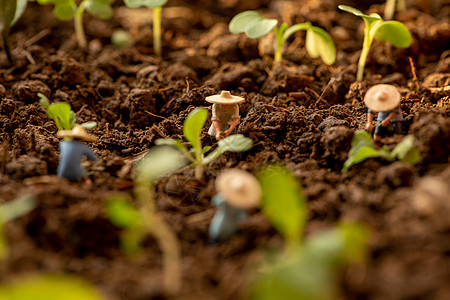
79	30
401	5
157	30
364	53
389	9
199	160
163	235
278	45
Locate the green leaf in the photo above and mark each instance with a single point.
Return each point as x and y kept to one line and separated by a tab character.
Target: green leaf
206	149
20	8
407	151
320	43
193	125
65	11
88	125
14	209
362	149
3	245
122	214
158	162
233	143
351	10
45	287
148	3
44	100
252	23
100	8
394	32
61	114
283	202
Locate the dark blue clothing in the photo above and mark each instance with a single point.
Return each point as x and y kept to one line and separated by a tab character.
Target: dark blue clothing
226	220
70	154
395	124
383	115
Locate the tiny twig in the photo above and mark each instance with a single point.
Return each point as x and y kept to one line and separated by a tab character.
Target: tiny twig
37	37
156	115
413	71
187	84
107	130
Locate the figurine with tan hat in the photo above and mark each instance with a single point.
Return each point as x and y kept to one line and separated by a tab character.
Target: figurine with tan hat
384	99
71	151
237	191
225	114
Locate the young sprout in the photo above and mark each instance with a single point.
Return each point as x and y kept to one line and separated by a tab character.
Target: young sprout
362	149
392	31
137	222
10	12
10	211
192	129
308	269
67	9
62	114
390	8
156	5
318	42
49	286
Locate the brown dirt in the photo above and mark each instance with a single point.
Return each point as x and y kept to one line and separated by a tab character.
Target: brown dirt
137	98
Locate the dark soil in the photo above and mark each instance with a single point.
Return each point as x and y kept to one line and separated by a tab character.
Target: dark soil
300	113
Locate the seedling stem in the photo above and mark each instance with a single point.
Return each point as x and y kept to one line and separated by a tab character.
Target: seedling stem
157	30
79	30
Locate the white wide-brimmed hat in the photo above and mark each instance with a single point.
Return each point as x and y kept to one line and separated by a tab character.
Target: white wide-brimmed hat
240	188
77	132
225	97
382	97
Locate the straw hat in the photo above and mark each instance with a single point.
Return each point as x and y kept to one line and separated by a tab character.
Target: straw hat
240	188
382	97
225	97
77	132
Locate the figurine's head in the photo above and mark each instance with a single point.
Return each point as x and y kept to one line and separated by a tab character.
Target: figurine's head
382	97
225	98
77	132
240	188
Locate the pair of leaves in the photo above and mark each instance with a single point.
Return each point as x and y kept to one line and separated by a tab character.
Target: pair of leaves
62	114
318	42
310	272
147	3
44	287
65	9
192	129
10	12
362	149
391	31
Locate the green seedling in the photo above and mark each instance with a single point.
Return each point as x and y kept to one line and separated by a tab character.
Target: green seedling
137	222
362	149
10	211
308	270
318	42
389	8
67	9
156	6
10	12
192	129
54	286
391	31
62	114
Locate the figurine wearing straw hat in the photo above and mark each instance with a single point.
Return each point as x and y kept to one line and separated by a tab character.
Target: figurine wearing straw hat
383	99
237	190
225	114
71	150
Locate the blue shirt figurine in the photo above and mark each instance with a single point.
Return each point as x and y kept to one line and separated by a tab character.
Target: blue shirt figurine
237	191
383	99
71	151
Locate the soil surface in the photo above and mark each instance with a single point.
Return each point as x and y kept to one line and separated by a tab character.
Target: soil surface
300	113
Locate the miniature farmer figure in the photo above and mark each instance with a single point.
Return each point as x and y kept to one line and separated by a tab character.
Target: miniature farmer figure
383	99
225	114
237	191
71	150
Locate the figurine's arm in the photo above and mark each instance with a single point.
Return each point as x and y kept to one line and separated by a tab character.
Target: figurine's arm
215	121
232	126
89	153
386	121
370	116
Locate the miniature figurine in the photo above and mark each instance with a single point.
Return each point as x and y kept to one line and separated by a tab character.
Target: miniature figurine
384	99
72	150
225	114
237	190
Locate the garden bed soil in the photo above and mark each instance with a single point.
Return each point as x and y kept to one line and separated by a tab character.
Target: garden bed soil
300	113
